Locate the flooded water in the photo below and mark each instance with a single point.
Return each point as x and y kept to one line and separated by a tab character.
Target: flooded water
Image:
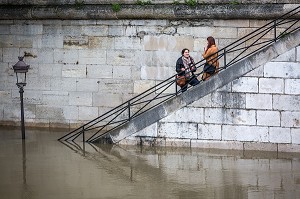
42	167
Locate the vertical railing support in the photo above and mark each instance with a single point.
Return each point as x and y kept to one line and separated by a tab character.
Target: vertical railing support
275	33
83	135
225	58
129	117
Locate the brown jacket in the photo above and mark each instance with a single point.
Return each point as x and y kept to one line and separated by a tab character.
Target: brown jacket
210	58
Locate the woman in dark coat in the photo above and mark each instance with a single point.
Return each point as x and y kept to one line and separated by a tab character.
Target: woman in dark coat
185	66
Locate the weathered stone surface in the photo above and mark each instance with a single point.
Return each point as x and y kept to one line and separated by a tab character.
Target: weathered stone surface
261	10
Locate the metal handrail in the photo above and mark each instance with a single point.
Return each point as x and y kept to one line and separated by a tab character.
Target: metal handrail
158	94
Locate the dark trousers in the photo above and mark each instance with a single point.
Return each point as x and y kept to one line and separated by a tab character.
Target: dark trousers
194	81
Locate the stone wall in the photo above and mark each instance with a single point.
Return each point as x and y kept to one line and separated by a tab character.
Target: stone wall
260	111
80	69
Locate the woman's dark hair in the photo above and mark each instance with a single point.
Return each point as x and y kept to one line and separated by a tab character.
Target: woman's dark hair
182	52
211	41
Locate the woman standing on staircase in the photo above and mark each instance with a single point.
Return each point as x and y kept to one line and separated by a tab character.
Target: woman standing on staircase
185	66
211	56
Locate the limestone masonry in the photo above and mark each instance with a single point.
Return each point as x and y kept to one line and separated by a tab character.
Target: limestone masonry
84	63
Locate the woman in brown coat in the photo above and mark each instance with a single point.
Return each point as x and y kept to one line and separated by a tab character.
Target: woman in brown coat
211	56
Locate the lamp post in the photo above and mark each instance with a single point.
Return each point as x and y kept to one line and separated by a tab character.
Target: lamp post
21	68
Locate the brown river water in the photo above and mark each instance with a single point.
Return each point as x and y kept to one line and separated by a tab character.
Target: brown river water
40	167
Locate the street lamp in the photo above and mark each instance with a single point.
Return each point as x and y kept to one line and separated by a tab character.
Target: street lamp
21	68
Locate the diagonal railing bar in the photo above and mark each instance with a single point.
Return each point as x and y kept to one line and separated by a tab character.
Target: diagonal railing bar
240	49
155	98
110	122
246	48
167	95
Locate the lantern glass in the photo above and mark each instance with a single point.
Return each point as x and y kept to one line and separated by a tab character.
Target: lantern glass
21	68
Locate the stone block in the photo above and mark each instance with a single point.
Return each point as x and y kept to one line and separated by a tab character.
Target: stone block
186	114
245	85
66	56
295	134
122	72
298	54
116	31
286	102
116	86
75	42
87	113
5	97
245	133
63	84
73	70
229	116
289	148
165	59
232	23
80	99
49	70
292	86
4	29
10	55
257	72
212	144
100	42
99	71
35	83
203	102
70	112
168	43
217	32
280	135
92	56
156	73
228	100
107	100
49	112
51	41
258	101
97	30
87	85
59	98
140	86
177	130
289	56
271	85
178	142
120	57
123	43
209	132
26	29
11	111
149	131
290	119
245	31
240	116
268	118
257	146
282	69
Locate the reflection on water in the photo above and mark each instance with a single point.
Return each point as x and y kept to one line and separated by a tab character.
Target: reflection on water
41	167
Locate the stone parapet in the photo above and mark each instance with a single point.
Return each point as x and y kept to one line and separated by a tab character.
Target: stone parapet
84	11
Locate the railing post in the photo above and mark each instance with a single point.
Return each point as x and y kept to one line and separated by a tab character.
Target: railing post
275	34
129	117
176	89
83	136
224	58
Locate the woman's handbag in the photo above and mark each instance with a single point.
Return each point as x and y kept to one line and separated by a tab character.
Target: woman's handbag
209	68
181	80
